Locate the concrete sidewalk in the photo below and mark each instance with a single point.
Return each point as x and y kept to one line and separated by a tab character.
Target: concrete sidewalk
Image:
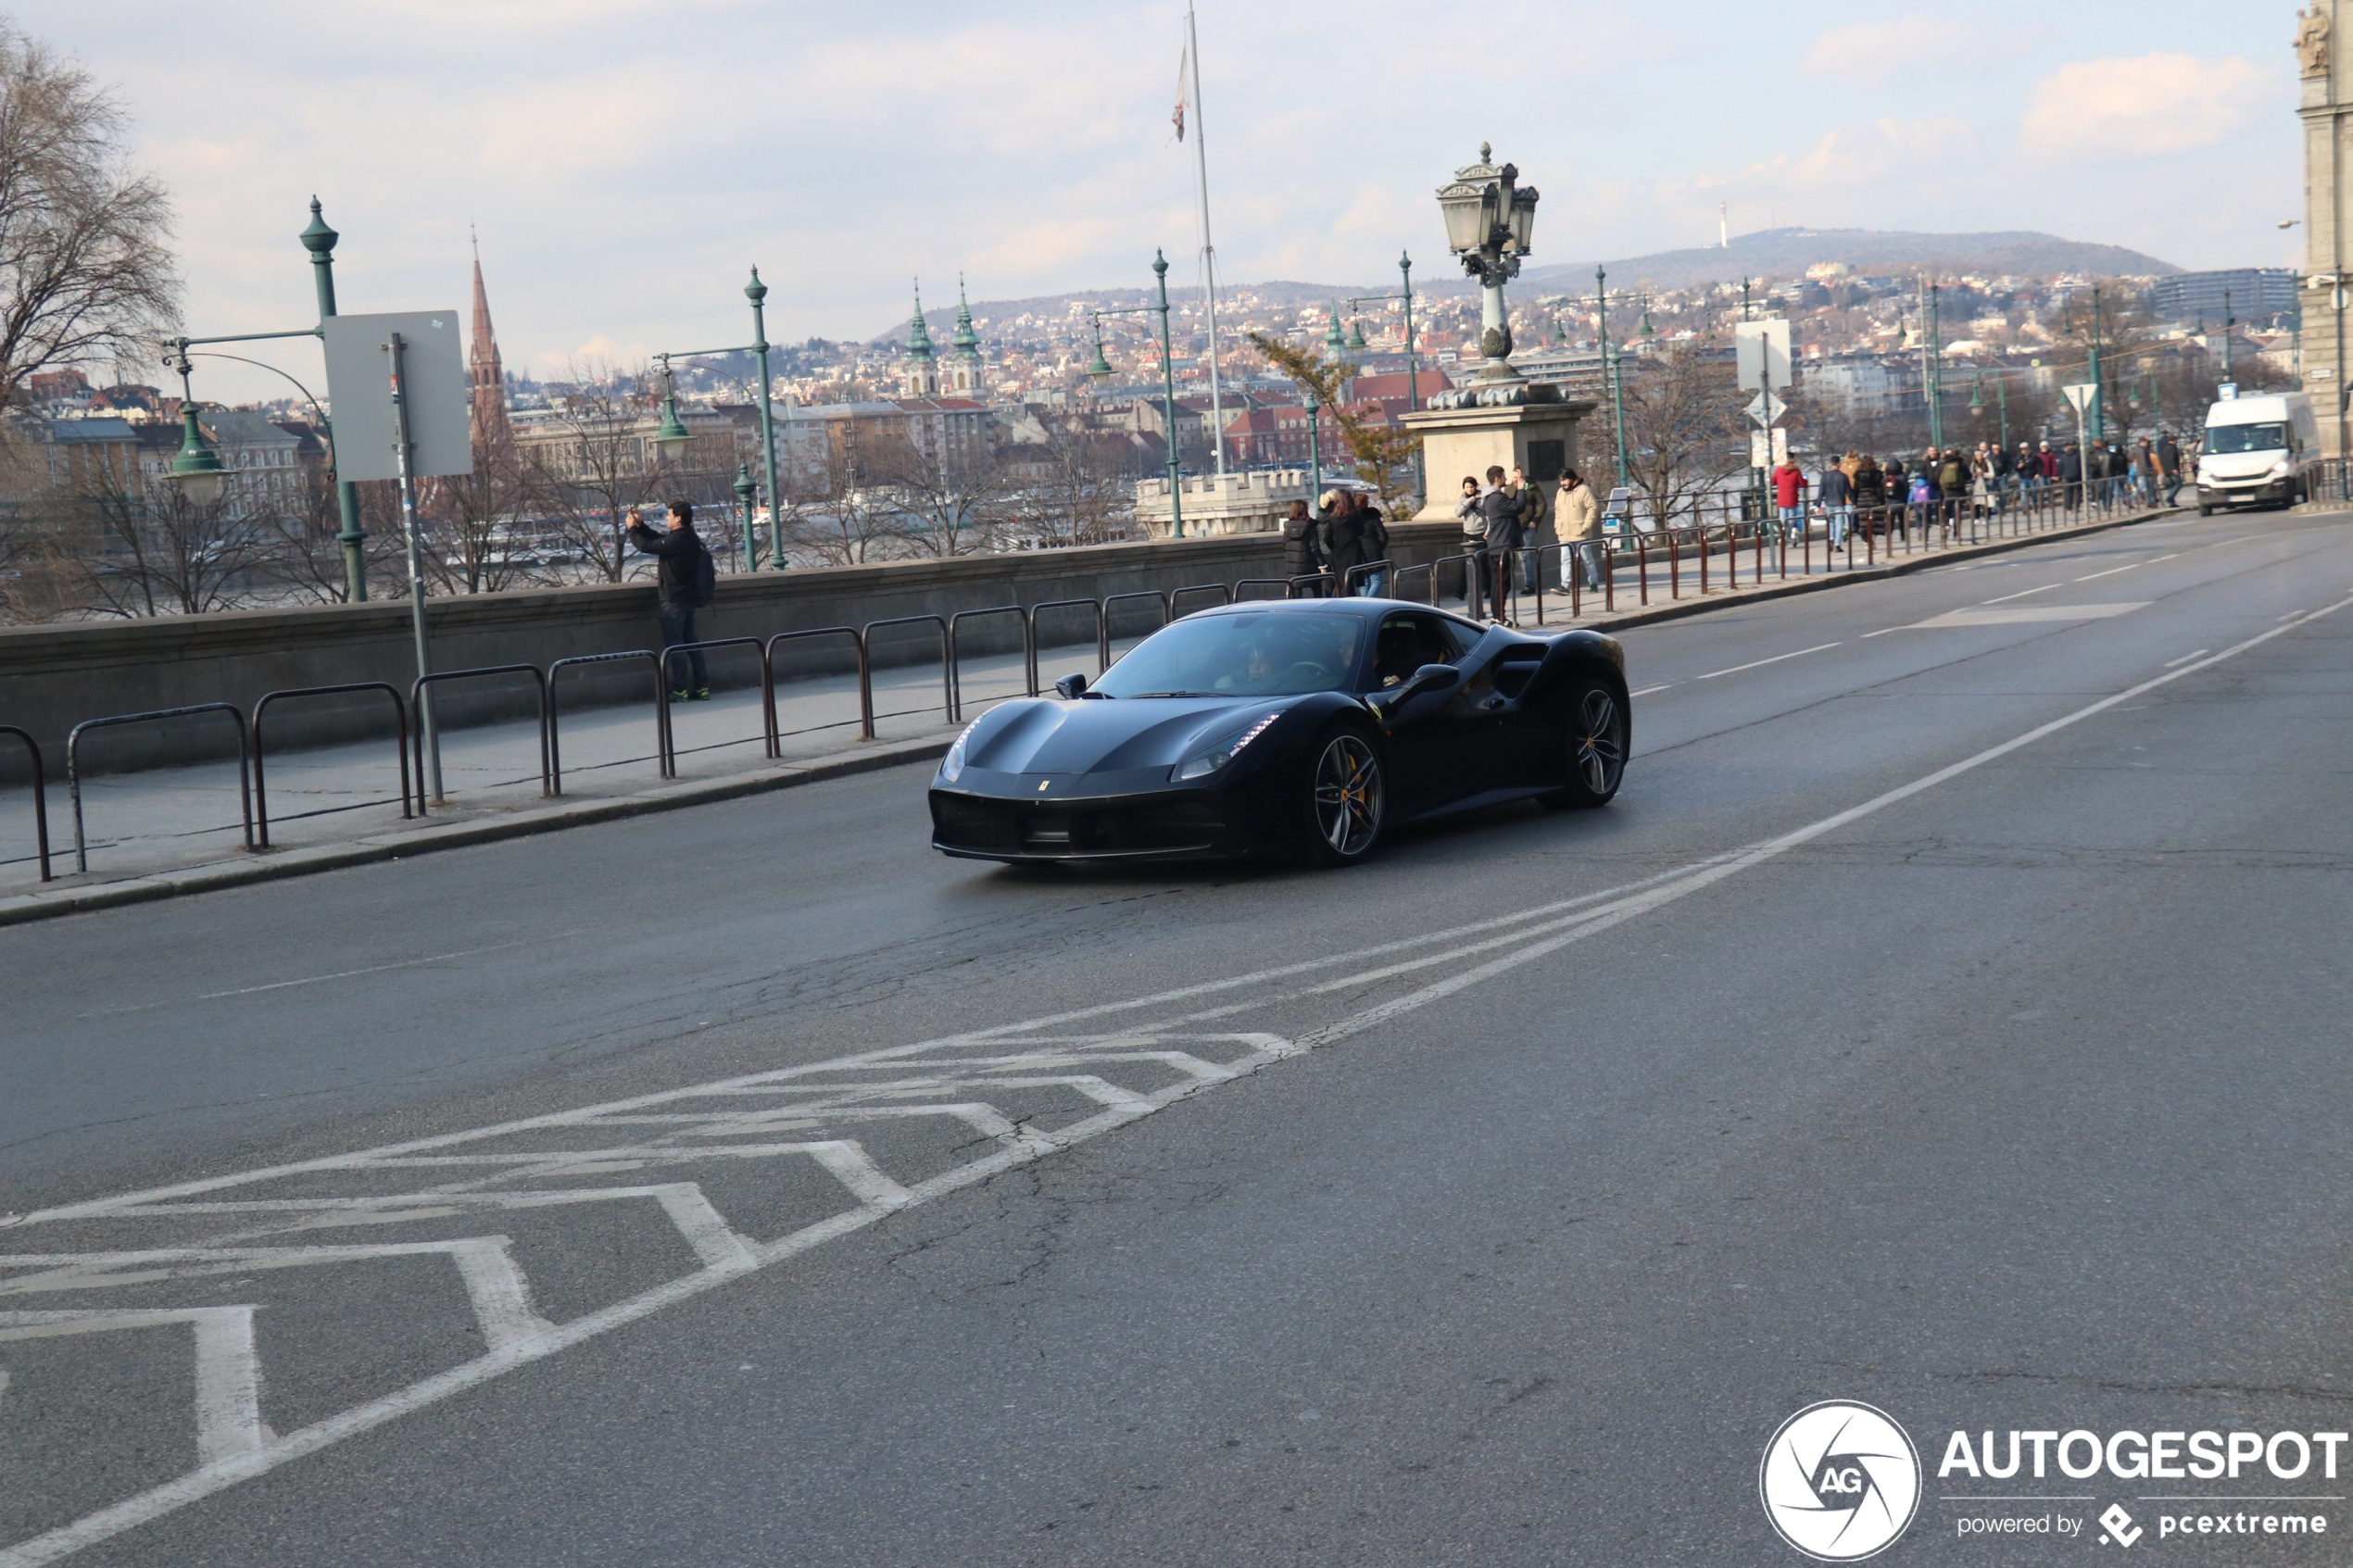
159	833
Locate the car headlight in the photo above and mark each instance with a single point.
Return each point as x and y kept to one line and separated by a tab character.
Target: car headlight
2280	470
1203	763
952	767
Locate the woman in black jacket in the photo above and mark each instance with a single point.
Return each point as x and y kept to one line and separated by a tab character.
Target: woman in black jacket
1302	551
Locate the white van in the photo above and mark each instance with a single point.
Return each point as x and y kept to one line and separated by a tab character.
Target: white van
2253	448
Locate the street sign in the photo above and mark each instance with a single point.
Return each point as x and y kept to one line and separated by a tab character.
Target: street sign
2079	396
1761	456
1765	407
1761	350
359	394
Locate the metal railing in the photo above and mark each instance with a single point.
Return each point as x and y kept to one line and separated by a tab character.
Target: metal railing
416	710
768	656
40	798
400	746
866	672
956	654
73	763
767	690
1225	596
1102	633
665	751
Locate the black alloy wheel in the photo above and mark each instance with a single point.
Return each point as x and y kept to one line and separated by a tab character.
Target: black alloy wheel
1595	739
1348	802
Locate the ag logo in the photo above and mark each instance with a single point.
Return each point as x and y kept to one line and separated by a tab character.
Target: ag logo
1840	1481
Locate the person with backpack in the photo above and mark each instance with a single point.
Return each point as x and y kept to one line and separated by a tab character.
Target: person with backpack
1870	494
686	579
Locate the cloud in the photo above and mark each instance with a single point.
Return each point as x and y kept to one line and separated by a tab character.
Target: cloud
1885	149
1872	50
2163	103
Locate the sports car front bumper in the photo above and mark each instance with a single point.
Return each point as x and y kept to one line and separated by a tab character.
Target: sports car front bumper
1007	817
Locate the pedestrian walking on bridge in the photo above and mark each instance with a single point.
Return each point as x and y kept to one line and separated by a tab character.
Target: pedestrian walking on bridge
1577	517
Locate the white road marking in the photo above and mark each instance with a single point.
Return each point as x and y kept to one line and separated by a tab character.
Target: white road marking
1647	690
2023	593
1555	926
2110	571
228	1427
1759	664
2021	615
323	979
1883	632
2155	558
2183	659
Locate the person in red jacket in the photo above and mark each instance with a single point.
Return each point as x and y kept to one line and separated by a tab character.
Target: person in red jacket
1789	495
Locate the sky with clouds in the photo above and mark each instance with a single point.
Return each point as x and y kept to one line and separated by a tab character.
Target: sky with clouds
625	160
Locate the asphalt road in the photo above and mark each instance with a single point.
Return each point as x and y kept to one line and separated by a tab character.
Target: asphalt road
1944	1017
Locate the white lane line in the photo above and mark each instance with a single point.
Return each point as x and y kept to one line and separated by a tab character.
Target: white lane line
228	1379
1760	664
2023	593
2111	571
2183	659
2155	558
1647	690
1883	632
323	979
1625	904
1642	903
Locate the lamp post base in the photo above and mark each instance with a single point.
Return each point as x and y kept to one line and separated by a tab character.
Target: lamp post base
1535	435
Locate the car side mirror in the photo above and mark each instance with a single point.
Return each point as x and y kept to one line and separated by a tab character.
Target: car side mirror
1428	678
1071	687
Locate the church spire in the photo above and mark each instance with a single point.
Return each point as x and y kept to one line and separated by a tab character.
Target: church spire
921	378
918	335
486	376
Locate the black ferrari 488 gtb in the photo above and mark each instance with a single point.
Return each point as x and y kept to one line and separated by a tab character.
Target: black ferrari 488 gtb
1289	727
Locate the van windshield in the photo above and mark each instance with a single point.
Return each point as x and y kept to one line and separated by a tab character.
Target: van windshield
2246	438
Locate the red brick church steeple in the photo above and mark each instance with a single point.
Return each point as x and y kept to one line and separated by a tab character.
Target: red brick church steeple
484	375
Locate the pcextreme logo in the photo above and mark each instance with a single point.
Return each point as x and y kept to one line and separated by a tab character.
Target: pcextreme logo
1840	1481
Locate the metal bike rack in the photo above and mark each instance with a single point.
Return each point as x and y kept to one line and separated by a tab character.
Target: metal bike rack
768	681
40	797
665	753
1102	631
399	745
416	712
955	653
865	667
1225	596
661	694
73	767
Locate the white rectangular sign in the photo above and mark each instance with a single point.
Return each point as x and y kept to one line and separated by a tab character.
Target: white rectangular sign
433	374
1762	456
1761	349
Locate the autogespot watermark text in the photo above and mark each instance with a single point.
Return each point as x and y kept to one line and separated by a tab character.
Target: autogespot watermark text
1842	1481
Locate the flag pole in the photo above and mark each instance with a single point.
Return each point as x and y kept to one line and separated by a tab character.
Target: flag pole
1208	250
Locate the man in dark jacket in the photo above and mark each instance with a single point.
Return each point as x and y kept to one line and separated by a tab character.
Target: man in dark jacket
678	553
1502	509
1341	531
2070	475
1372	545
2168	467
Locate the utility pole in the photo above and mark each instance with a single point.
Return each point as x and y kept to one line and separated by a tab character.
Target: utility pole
1168	402
1208	250
2229	320
1413	377
1932	371
2099	400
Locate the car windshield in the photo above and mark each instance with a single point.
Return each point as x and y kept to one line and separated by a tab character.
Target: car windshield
1262	655
2246	438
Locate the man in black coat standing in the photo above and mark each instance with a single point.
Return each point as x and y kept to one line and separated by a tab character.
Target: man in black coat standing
1503	510
680	579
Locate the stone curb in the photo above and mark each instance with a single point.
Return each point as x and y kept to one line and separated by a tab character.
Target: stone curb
47	904
272	865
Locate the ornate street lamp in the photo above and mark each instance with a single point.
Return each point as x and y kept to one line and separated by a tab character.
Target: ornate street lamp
1100	371
1491	223
673	435
747	491
196	468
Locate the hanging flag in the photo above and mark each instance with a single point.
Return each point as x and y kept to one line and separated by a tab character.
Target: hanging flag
1184	76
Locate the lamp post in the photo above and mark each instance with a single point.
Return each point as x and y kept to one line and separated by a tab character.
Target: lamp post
319	241
1617	396
1490	222
1314	450
746	490
196	468
2229	320
1935	352
1167	385
1412	376
674	434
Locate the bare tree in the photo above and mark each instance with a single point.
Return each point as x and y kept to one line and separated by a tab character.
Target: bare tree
593	465
480	541
847	519
1074	488
162	554
85	275
948	507
304	552
1683	428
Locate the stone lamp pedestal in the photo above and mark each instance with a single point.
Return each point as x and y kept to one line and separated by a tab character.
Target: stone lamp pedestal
1537	436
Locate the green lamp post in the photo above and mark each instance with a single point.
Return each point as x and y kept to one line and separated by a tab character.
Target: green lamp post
745	493
1315	448
196	468
1100	371
757	292
319	241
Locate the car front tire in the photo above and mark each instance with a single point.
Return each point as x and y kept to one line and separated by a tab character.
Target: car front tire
1595	739
1348	799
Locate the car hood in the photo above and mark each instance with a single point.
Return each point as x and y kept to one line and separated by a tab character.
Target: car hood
1103	734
